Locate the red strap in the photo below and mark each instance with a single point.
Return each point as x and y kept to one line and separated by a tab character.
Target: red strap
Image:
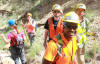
52	31
51	28
13	39
59	28
63	38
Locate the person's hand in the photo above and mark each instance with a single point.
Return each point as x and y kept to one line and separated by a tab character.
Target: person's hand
1	35
22	24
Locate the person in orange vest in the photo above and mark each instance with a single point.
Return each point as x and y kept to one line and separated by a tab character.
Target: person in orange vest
30	27
16	40
63	51
53	24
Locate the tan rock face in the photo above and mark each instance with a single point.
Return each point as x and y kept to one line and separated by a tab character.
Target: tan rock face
8	60
5	58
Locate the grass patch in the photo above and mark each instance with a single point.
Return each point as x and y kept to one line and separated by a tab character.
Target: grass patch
98	46
37	45
90	14
90	54
2	44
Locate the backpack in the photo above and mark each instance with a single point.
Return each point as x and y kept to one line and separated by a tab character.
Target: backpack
17	41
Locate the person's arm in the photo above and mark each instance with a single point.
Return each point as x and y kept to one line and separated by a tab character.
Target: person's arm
50	52
34	25
23	25
46	33
7	41
45	37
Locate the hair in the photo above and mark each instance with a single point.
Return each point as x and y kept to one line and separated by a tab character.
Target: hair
15	26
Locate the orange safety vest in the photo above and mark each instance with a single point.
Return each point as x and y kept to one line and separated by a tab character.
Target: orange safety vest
68	51
52	31
29	27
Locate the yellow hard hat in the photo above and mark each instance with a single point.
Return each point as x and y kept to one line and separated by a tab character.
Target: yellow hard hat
29	14
57	7
80	5
71	17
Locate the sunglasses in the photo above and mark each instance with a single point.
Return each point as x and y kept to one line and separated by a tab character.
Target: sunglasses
70	26
81	10
55	11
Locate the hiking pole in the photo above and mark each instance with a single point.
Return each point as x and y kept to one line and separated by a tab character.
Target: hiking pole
94	34
94	50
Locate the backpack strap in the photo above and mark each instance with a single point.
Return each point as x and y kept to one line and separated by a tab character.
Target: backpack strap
13	40
51	20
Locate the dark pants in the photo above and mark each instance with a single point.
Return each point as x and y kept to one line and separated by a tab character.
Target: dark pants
18	53
31	37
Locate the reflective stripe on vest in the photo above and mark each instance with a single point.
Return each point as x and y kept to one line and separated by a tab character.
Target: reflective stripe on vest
82	27
82	30
52	31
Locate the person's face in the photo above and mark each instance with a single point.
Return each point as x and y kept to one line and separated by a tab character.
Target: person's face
12	27
28	17
70	30
57	13
81	12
